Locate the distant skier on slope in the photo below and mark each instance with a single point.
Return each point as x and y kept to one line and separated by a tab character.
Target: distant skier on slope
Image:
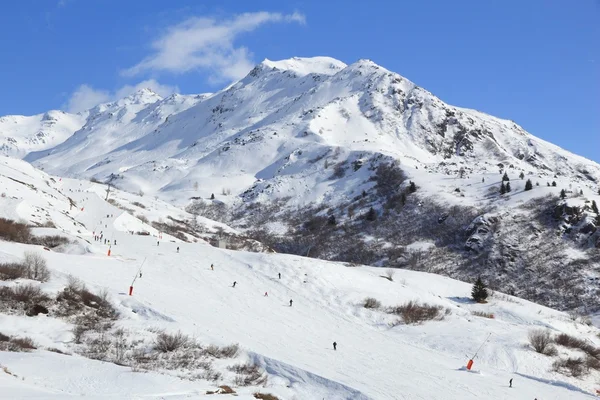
212	268
266	294
280	275
510	382
291	301
335	345
178	249
158	243
234	283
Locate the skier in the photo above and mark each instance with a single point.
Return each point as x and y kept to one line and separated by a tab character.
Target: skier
234	283
140	274
158	243
335	345
115	242
280	275
510	382
266	294
291	301
212	268
178	249
104	241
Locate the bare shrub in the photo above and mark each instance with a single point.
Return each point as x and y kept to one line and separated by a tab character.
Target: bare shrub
371	302
482	314
265	396
49	241
166	342
224	389
575	343
76	299
18	344
413	312
541	342
4	338
575	367
592	363
142	218
248	375
11	271
36	266
389	274
12	231
138	204
222	352
55	350
28	294
389	177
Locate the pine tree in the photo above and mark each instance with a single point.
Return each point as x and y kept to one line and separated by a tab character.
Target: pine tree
508	189
479	292
505	178
502	188
594	207
412	187
521	175
371	215
553	183
528	185
331	220
563	194
212	196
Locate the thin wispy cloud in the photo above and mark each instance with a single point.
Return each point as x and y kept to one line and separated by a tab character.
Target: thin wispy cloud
86	97
208	44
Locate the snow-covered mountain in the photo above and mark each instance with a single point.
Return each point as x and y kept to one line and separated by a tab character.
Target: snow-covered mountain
20	135
300	151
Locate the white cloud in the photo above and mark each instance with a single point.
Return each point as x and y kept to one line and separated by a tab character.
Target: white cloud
206	43
86	97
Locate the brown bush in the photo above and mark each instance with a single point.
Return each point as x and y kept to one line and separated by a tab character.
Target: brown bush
248	375
17	344
224	389
138	204
166	343
541	342
222	352
4	338
482	314
142	218
49	241
12	231
76	299
27	293
575	367
265	396
575	343
11	271
371	303
415	313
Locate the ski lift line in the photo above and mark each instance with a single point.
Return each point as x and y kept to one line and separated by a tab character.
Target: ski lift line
138	272
484	342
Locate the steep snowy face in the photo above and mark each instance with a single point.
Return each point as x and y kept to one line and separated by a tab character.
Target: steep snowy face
20	135
265	134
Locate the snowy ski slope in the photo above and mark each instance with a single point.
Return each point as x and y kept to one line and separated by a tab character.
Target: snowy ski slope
179	291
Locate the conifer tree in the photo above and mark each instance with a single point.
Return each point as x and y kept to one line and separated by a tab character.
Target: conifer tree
521	175
505	178
412	187
371	215
528	185
508	189
553	183
479	292
502	188
594	206
563	194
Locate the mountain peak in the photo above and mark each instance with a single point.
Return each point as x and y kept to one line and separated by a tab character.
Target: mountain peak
143	96
302	66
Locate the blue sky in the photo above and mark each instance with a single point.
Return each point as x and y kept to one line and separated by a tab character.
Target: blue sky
536	62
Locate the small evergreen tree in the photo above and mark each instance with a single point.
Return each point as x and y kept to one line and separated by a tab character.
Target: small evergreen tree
548	183
364	193
371	215
502	188
505	178
553	183
508	189
482	180
594	206
331	220
521	175
412	187
563	194
528	185
212	196
479	292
